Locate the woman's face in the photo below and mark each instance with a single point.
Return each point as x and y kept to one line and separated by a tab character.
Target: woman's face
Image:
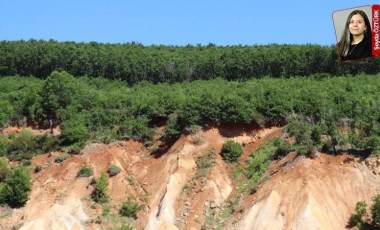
357	25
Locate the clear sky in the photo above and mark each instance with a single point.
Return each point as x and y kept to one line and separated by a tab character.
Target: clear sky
173	22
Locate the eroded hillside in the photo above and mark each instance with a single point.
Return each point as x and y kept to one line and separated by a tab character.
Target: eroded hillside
189	186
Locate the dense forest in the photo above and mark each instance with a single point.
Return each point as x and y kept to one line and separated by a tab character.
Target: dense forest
133	62
103	110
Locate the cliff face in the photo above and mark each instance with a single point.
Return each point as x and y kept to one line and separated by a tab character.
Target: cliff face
189	186
318	193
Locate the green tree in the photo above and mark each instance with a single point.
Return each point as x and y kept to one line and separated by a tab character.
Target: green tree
74	130
58	92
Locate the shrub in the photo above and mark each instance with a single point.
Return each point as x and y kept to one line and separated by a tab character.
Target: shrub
315	135
205	162
4	169
6	110
375	211
283	147
85	171
260	160
113	170
3	196
172	129
59	159
130	208
136	129
231	151
74	130
22	146
3	146
46	143
75	149
25	145
356	219
15	190
126	227
37	169
100	189
193	129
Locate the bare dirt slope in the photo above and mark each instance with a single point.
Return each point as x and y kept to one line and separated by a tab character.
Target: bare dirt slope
318	193
179	188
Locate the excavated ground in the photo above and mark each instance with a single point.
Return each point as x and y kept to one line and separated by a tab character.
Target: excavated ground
179	192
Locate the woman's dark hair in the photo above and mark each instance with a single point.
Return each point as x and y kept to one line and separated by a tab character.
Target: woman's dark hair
345	41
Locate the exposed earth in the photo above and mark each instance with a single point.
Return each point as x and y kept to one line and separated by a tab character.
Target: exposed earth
176	192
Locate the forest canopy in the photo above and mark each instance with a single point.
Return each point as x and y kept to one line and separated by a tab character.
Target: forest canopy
133	62
105	110
106	92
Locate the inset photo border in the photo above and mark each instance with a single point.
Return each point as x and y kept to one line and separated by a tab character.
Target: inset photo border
357	32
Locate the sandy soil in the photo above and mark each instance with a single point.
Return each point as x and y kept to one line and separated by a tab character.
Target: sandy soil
177	193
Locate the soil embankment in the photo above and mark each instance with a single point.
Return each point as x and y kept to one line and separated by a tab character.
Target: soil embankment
180	188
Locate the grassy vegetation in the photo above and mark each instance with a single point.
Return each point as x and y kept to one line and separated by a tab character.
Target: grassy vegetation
246	178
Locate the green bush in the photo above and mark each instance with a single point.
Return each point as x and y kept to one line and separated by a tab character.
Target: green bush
136	129
172	129
3	195
74	130
3	145
85	171
231	151
4	169
113	170
126	227
75	149
193	129
100	189
6	110
22	146
46	143
260	160
375	211
59	159
130	208
282	147
356	219
25	145
16	187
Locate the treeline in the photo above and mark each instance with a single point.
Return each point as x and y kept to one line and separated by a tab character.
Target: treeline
133	62
103	110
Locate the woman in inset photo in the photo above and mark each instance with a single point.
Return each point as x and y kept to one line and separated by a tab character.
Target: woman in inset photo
356	40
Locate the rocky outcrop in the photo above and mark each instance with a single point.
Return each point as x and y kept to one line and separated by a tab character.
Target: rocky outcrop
70	216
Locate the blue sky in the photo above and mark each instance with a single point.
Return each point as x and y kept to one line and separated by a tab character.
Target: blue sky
172	22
